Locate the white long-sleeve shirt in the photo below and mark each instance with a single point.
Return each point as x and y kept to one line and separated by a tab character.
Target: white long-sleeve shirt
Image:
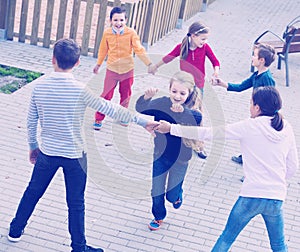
269	156
59	102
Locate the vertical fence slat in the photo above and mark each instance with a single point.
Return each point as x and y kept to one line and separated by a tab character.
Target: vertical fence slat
61	19
117	3
3	10
87	27
100	25
75	17
48	23
23	21
11	19
35	22
146	36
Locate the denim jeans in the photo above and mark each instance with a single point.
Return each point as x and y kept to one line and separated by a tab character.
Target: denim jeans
163	168
75	181
243	211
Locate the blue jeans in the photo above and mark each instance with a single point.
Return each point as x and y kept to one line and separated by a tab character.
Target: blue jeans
163	168
75	181
243	211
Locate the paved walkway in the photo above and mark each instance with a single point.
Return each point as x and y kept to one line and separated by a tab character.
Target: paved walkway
118	192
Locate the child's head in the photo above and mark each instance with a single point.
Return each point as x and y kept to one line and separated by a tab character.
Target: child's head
66	52
266	101
196	37
118	18
182	88
265	52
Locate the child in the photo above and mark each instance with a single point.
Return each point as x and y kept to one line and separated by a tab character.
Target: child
267	165
59	102
262	58
171	155
193	51
118	43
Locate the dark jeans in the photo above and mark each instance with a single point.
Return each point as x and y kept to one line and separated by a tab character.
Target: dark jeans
75	181
163	168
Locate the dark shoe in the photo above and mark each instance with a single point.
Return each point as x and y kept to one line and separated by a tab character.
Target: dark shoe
237	159
242	179
155	224
201	154
178	202
91	249
14	236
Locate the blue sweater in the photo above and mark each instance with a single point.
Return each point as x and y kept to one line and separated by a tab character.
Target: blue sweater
261	80
165	145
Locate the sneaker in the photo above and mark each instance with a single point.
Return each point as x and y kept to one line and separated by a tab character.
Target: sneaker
14	236
178	202
97	125
155	224
91	249
202	154
238	159
124	124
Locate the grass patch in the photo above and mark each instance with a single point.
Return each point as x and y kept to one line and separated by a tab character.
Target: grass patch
12	78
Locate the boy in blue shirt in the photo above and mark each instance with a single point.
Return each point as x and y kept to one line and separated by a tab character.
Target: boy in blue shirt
262	58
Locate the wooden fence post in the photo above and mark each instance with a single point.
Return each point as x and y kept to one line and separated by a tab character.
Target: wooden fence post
145	39
181	15
3	18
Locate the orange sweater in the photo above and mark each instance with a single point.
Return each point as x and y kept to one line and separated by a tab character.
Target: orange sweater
119	49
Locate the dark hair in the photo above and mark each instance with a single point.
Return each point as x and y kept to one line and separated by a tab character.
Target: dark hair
118	10
195	28
67	53
266	52
269	102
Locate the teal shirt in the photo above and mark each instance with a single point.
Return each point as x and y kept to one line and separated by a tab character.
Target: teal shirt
261	80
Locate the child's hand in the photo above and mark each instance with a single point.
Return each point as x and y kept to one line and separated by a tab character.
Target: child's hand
149	93
177	108
219	82
163	127
151	127
33	155
152	69
96	69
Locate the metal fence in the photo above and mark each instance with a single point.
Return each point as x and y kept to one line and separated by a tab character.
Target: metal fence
42	22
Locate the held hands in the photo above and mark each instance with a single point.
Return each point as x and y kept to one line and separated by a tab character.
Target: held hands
163	127
149	93
152	69
33	155
216	81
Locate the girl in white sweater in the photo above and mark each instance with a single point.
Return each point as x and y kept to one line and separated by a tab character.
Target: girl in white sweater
270	158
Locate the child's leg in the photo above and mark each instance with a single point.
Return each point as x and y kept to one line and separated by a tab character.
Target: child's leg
110	82
175	181
125	85
159	175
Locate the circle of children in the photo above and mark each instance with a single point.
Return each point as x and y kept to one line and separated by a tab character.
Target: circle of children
177	125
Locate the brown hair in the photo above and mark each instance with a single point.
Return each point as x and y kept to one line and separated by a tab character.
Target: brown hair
195	28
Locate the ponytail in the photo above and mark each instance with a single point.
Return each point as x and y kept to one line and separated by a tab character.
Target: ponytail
184	49
277	121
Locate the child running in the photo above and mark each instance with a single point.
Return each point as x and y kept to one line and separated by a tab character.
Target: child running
262	58
267	165
118	44
171	155
193	51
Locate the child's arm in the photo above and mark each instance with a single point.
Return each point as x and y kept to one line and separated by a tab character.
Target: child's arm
102	53
149	93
